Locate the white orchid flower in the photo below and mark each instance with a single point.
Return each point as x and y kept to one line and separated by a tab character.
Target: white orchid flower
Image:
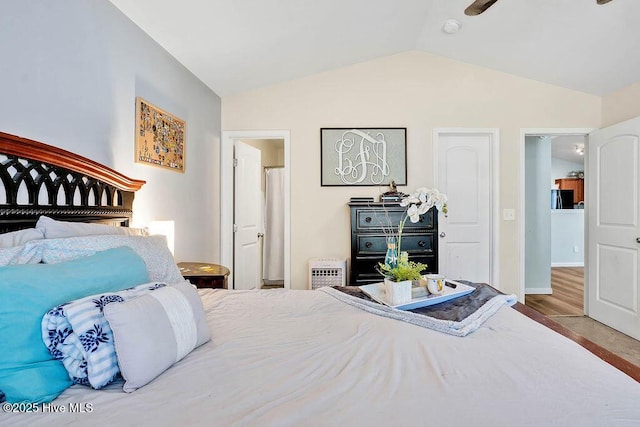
423	199
439	200
413	214
423	208
417	203
409	200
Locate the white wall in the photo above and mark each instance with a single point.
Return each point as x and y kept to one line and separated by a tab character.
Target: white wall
69	75
567	238
537	215
416	90
621	105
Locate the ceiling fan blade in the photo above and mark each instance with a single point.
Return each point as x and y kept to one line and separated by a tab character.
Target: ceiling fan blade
479	6
602	1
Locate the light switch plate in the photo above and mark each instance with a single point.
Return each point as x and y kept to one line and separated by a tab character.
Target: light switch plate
509	214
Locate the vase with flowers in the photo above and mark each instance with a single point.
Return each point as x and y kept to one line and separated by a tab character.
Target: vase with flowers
399	272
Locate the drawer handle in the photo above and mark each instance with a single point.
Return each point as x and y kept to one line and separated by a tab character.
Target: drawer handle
368	219
368	244
422	243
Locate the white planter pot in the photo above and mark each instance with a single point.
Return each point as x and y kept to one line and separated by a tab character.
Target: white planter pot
397	292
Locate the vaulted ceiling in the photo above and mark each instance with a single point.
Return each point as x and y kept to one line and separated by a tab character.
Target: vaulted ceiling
239	45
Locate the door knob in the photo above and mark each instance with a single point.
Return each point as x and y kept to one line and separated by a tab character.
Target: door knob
638	239
443	234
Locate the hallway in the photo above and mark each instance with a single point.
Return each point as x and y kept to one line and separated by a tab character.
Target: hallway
568	293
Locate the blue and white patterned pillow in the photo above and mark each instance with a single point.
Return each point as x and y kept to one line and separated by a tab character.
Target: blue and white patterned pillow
78	334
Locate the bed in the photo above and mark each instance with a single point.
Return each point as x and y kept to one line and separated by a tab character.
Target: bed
283	357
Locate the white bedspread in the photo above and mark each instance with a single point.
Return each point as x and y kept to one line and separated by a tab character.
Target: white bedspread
293	358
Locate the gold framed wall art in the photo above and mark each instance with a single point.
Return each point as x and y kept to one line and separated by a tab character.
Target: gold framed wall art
160	137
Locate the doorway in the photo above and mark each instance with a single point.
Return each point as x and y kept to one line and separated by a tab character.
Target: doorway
555	223
270	240
275	145
552	238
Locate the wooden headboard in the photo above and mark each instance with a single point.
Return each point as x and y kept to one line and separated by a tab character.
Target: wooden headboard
39	179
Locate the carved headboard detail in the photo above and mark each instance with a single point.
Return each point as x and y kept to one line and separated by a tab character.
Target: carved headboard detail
39	179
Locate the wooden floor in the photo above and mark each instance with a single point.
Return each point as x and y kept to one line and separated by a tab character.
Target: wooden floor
568	293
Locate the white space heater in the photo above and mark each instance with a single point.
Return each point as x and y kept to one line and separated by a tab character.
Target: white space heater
327	272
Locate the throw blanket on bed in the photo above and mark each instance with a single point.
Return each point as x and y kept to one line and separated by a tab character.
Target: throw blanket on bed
458	317
78	334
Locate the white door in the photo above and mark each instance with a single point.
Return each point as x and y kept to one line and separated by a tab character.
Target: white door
247	216
613	238
465	249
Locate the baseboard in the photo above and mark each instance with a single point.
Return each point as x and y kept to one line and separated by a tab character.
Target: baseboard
538	291
567	264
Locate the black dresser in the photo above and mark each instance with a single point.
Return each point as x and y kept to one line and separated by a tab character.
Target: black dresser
369	220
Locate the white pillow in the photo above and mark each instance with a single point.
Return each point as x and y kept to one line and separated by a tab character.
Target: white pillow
20	255
20	237
153	331
153	249
52	229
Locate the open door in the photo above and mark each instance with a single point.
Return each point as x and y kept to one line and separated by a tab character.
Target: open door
247	216
613	238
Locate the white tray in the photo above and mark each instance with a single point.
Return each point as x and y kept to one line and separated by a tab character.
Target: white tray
452	289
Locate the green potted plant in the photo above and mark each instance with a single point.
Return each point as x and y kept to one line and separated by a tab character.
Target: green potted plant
398	279
404	270
398	271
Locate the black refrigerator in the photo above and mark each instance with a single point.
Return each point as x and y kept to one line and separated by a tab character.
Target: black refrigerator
561	199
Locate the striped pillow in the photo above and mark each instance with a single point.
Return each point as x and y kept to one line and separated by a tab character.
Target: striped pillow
155	330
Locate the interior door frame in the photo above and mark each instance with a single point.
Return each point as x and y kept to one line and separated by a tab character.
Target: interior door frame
494	167
524	132
227	192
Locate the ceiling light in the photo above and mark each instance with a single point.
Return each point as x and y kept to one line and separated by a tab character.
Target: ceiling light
579	150
451	26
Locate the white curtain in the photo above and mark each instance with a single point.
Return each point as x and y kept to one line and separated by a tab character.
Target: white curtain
273	257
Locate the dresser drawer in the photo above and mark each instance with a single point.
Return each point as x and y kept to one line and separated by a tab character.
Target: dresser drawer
377	244
367	279
423	244
371	245
388	219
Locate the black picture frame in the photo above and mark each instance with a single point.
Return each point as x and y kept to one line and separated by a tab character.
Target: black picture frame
367	157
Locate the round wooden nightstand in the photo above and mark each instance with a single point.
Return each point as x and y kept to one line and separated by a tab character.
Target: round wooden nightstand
205	275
